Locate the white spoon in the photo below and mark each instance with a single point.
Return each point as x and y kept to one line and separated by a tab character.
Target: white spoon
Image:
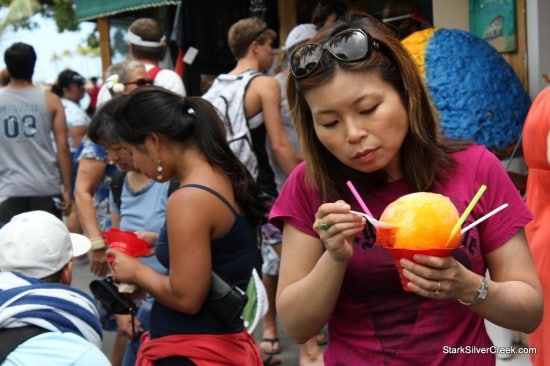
373	221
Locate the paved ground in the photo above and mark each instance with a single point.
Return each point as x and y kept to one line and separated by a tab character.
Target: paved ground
290	353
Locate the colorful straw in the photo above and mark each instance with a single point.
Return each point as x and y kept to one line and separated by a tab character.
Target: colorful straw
358	198
466	212
485	217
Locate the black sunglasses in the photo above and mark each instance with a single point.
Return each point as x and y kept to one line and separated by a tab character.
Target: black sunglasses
140	82
347	46
259	33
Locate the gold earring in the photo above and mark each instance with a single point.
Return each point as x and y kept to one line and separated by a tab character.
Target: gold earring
159	170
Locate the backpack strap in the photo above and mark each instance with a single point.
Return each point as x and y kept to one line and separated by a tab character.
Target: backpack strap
116	187
10	338
153	72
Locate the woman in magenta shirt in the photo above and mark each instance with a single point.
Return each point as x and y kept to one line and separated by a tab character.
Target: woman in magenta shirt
363	114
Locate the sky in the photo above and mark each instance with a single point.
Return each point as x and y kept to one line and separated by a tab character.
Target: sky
46	42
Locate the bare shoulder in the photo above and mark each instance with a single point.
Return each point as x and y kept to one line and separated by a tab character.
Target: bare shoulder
205	195
264	81
52	97
53	101
200	205
264	85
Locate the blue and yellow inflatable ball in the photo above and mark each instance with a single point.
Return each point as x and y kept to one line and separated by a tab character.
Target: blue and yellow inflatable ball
477	94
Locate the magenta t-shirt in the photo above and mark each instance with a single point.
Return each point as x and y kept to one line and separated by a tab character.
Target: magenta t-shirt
375	321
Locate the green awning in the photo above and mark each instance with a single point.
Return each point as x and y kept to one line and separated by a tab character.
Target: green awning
93	9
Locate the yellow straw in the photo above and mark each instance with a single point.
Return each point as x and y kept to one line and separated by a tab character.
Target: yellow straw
466	213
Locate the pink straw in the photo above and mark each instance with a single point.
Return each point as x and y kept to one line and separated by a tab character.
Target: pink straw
358	198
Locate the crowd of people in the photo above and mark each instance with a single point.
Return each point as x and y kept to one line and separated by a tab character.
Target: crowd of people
253	175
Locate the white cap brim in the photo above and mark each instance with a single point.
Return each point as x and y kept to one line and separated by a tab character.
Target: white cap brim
81	244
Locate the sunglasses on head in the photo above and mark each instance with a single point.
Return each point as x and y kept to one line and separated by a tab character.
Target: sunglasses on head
346	46
140	82
259	33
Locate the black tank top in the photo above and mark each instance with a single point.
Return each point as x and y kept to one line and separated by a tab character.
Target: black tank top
233	257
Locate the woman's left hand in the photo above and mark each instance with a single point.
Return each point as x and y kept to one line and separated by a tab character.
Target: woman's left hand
434	277
149	236
124	267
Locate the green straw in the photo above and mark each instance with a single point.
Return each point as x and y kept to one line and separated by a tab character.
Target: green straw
466	213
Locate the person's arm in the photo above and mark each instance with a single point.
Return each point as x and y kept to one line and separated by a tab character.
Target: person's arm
77	134
268	91
115	220
514	287
59	128
114	209
90	174
312	270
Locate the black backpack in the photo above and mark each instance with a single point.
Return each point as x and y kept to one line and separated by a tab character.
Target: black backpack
13	337
118	181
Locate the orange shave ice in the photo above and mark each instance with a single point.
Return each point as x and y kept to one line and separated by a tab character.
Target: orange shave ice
421	220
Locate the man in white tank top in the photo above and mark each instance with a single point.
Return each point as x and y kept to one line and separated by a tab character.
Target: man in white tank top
33	175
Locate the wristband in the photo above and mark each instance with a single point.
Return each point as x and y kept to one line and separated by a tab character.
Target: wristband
97	243
481	294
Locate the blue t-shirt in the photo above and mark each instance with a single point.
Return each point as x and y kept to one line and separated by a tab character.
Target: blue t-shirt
56	348
143	210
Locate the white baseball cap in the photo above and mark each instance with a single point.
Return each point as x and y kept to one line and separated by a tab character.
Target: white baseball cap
38	244
299	33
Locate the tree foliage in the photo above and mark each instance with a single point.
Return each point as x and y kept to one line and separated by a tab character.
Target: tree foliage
20	12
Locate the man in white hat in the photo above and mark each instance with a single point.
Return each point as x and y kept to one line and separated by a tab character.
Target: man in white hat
42	319
147	44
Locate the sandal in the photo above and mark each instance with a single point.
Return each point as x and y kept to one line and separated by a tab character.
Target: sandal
275	348
322	339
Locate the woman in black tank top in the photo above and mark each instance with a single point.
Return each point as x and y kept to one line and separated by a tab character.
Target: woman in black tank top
211	226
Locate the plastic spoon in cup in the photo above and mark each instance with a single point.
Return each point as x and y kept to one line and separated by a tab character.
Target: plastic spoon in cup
367	214
373	221
485	217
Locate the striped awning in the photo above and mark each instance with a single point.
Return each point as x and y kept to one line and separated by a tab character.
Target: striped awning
93	9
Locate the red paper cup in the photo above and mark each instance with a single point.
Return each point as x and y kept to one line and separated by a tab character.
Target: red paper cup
127	242
398	253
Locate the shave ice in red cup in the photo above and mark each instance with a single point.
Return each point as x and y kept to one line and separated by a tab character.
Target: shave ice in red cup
423	223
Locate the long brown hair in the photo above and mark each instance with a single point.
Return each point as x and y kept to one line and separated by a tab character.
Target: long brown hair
425	153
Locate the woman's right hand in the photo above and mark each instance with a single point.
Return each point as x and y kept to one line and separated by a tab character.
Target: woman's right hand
337	227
